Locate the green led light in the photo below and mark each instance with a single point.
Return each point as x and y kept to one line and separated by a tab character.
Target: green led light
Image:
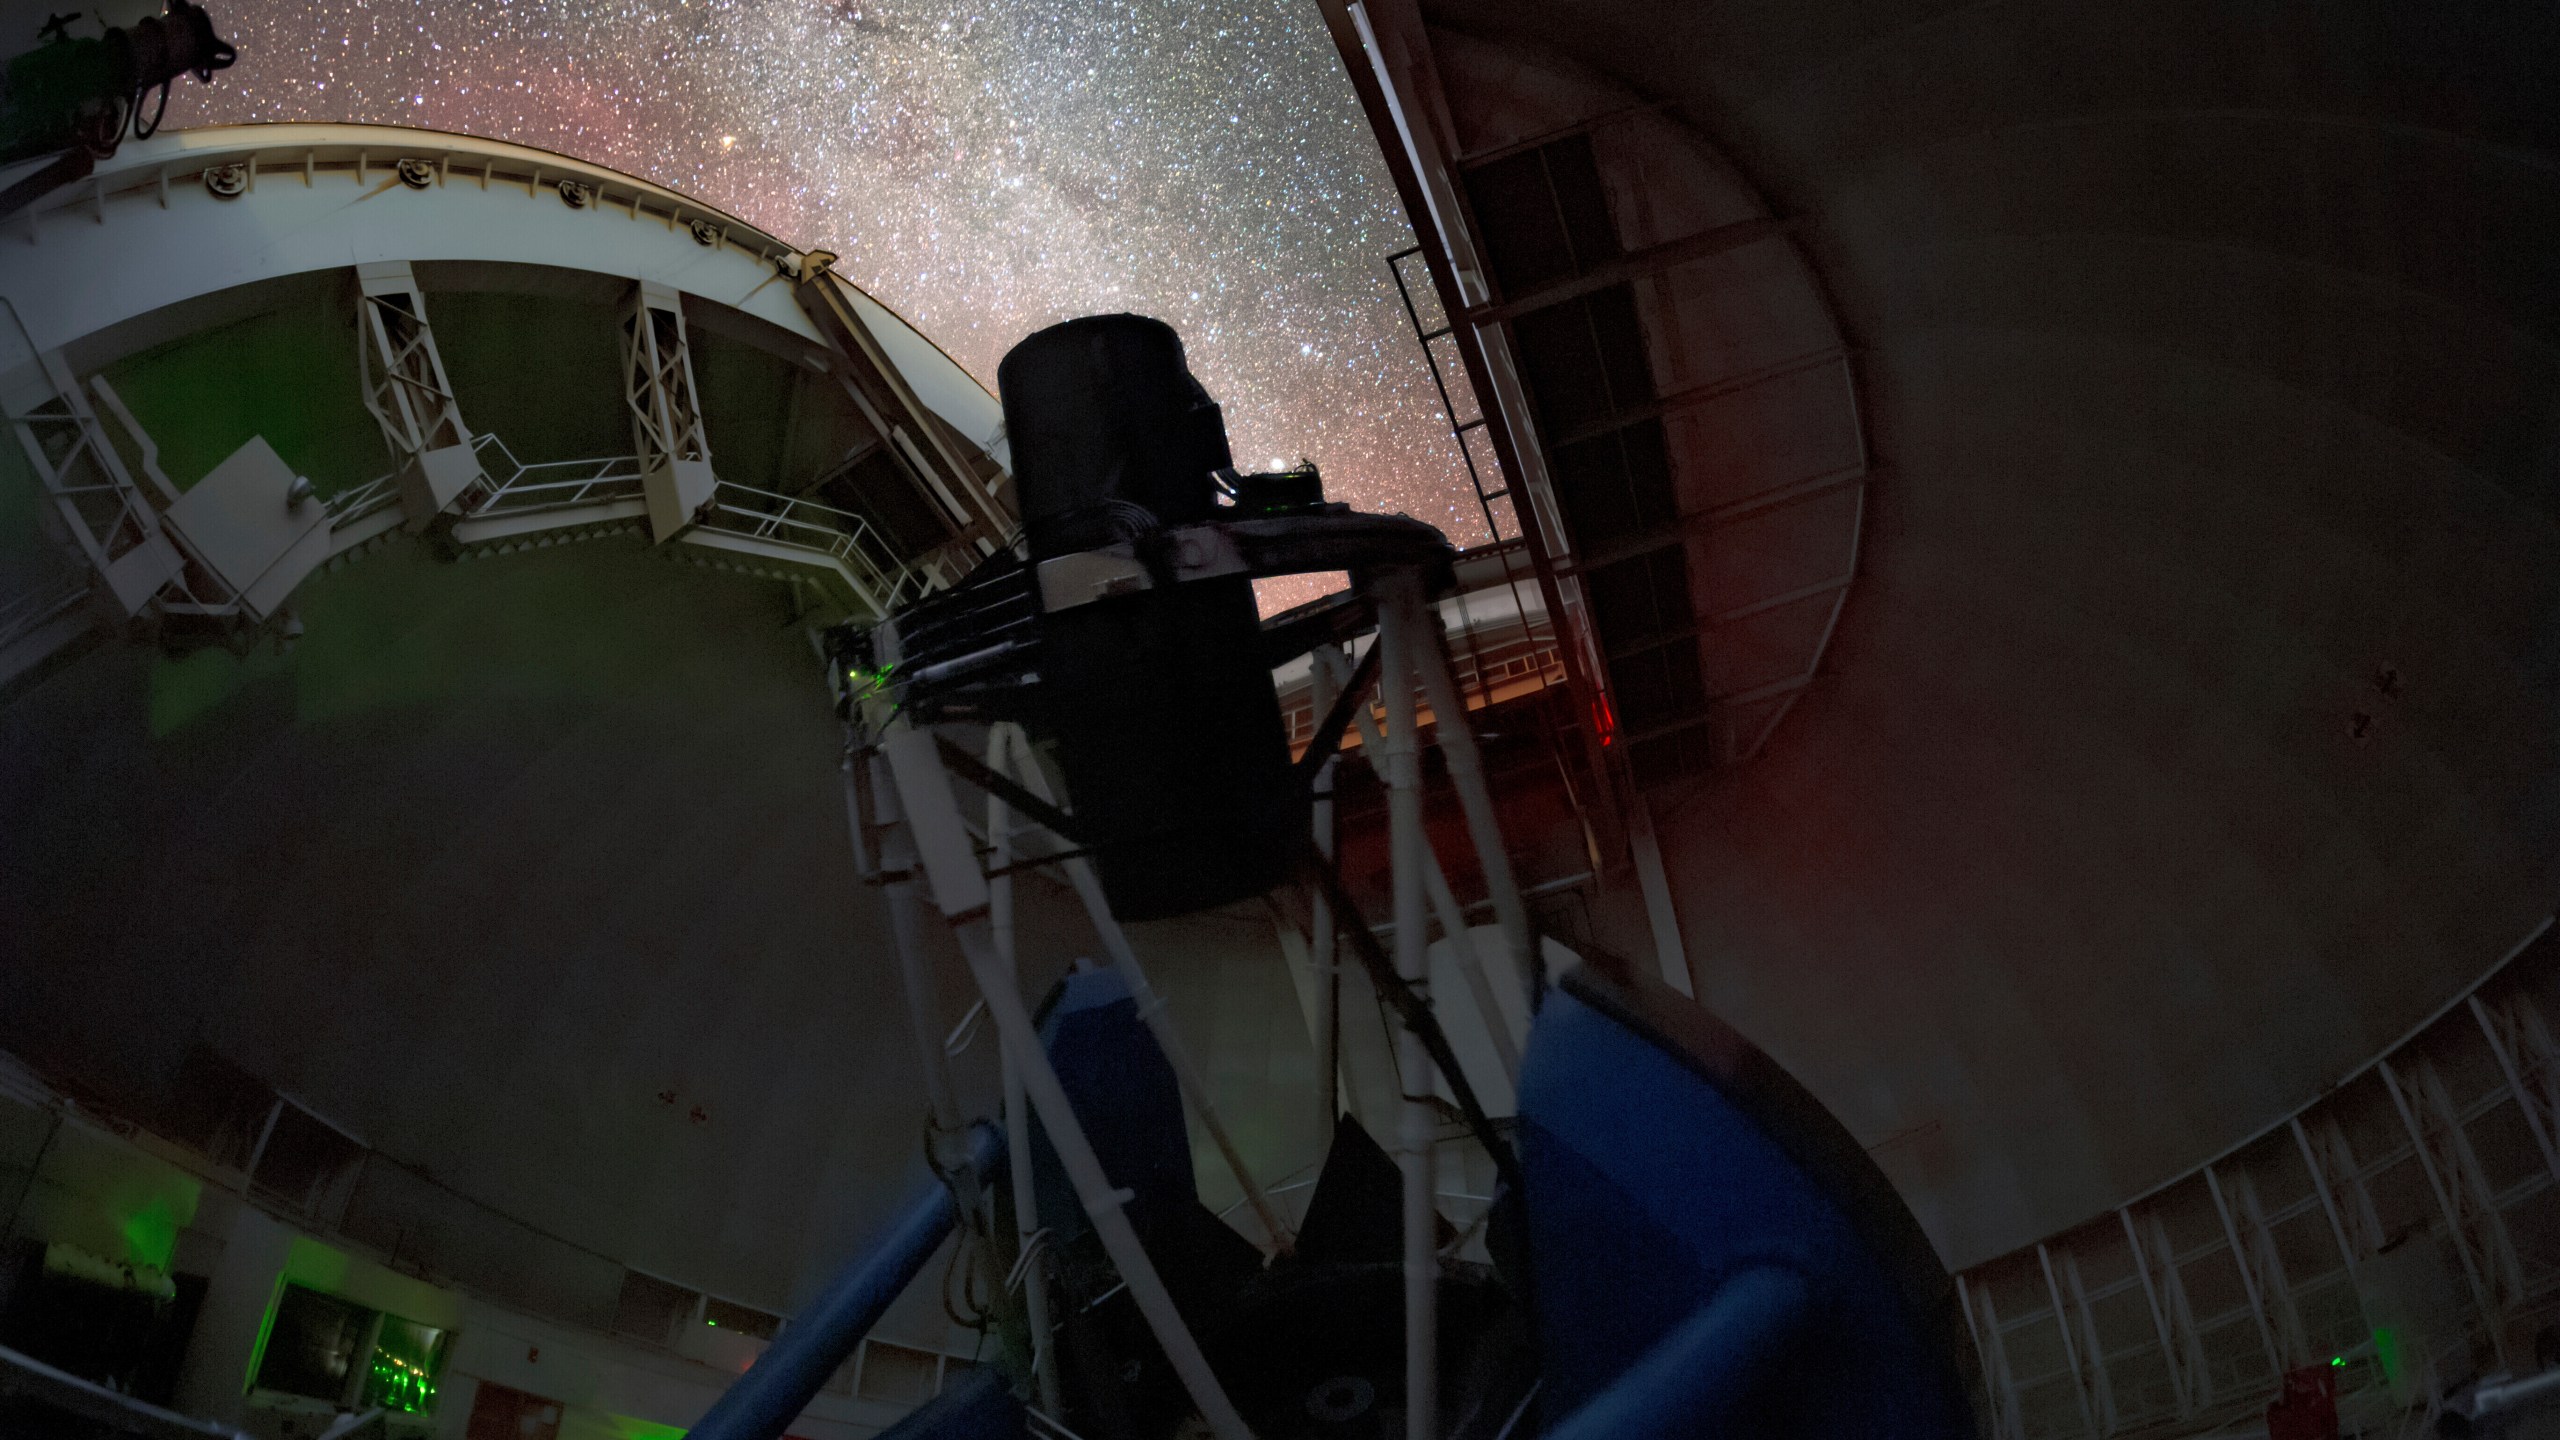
400	1385
2337	1359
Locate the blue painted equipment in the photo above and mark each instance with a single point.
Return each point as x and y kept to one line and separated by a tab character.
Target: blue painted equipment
1126	1096
1711	1252
801	1360
980	1407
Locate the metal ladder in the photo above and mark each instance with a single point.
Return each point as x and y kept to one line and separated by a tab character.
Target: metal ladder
1460	430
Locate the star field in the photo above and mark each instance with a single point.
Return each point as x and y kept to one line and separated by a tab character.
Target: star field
985	169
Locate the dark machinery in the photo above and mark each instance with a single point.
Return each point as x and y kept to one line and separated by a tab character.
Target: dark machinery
76	97
1124	633
1683	1242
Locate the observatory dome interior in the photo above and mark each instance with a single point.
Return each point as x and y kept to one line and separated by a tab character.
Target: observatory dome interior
2026	583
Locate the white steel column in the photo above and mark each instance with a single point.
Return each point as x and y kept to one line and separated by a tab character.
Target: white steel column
1430	660
2340	1183
2522	1043
107	515
2070	1347
1981	1355
1470	962
2250	1283
2478	1232
2171	1361
884	841
1323	947
406	388
666	412
1399	621
2101	1387
1671	952
2007	1423
2159	1261
1151	1009
2264	1266
960	891
1001	738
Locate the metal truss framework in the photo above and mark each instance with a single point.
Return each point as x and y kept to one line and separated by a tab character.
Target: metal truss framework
2470	1209
411	397
666	411
121	527
405	383
102	510
908	429
2298	1235
911	839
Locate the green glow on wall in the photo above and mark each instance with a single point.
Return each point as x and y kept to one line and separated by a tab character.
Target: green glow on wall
266	1329
187	688
151	1233
287	373
2386	1348
398	1385
315	1265
406	1360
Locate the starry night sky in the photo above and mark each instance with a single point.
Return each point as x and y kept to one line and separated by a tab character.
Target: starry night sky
984	169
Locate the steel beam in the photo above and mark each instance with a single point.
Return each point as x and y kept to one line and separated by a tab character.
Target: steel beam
2254	1247
1384	72
2171	1361
2522	1043
2007	1422
2470	1208
2070	1347
666	411
105	513
946	858
2101	1386
2341	1190
902	420
411	397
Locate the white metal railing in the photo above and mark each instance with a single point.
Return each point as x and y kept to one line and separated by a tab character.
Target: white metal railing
2279	1230
348	506
516	488
23	615
841	535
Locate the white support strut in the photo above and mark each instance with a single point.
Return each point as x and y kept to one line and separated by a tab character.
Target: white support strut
1475	799
1151	1009
666	410
411	396
1399	626
1444	903
893	852
960	891
1323	947
1017	1118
